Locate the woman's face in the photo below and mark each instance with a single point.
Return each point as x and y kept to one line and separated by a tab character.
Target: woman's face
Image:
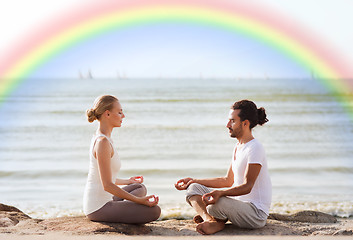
116	115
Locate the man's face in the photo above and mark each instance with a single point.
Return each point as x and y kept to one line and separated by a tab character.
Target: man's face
235	124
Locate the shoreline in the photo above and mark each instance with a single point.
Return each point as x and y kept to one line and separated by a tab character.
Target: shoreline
14	224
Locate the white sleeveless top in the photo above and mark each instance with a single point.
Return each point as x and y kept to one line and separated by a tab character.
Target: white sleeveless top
95	196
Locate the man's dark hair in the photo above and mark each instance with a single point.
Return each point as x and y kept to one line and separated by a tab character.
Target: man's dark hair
249	111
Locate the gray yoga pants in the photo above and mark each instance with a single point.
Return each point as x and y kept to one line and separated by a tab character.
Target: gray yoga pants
123	211
241	214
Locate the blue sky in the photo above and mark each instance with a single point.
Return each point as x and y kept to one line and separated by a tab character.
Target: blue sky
172	50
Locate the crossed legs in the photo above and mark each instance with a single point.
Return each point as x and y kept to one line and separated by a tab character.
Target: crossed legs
206	224
212	218
122	211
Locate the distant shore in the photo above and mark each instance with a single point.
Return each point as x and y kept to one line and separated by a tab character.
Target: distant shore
14	224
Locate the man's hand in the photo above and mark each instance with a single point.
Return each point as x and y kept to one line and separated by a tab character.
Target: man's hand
212	197
183	184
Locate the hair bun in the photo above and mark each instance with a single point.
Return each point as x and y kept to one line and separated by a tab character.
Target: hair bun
91	115
261	115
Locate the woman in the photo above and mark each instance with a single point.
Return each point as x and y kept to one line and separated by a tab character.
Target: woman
103	199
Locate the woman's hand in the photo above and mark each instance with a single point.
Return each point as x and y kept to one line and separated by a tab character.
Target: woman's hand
149	201
136	179
212	197
183	184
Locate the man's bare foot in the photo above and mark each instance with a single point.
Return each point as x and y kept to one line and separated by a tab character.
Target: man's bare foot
210	227
198	219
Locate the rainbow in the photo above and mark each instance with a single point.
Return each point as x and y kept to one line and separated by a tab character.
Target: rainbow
259	24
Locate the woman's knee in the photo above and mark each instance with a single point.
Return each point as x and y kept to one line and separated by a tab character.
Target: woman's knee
148	214
139	189
137	185
143	188
156	213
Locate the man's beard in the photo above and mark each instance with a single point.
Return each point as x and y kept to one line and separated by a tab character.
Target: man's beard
236	133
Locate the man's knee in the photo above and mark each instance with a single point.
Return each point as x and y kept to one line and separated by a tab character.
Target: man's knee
192	186
260	224
215	207
218	210
194	189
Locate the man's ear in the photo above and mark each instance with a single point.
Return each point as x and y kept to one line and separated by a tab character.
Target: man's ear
246	123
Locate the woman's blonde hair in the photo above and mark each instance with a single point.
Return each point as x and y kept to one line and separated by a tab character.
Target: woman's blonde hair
101	104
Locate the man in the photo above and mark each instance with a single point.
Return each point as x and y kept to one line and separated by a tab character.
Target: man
247	199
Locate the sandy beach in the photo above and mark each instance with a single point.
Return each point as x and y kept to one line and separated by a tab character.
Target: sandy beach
55	236
14	224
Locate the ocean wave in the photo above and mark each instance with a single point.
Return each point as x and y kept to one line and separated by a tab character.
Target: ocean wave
184	211
312	170
337	209
42	174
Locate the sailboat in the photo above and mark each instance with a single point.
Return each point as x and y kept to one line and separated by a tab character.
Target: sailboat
88	76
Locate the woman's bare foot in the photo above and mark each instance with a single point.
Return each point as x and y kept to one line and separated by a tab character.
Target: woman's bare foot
198	219
210	227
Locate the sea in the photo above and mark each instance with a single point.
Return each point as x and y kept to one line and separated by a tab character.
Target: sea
174	128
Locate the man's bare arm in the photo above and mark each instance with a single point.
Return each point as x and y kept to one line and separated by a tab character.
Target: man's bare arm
220	182
253	171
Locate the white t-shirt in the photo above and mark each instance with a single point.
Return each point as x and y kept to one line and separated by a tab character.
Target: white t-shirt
95	196
253	152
